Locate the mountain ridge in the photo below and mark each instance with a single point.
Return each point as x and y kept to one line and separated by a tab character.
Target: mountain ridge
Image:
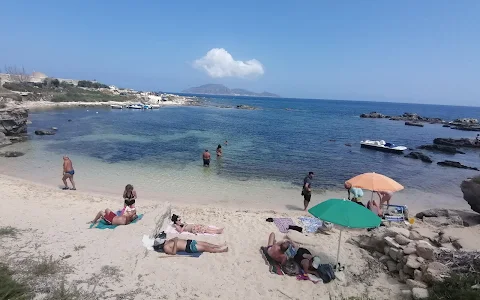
220	89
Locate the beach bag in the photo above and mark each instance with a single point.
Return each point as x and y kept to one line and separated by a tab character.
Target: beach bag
326	273
291	268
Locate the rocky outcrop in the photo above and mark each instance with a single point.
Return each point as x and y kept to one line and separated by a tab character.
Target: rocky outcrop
468	143
408	123
465	121
471	192
413	117
374	115
13	125
247	107
455	164
441	148
419	155
45	132
466	127
440	217
11	154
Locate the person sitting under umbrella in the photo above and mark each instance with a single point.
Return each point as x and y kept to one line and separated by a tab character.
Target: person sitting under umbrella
307	261
357	193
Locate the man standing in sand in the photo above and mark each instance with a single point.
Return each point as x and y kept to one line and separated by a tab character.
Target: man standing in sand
68	172
206	158
307	189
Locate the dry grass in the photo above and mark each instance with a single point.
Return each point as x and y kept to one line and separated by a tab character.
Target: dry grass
78	248
11	289
8	231
45	266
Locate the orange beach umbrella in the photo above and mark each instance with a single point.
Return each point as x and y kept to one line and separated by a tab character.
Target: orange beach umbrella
375	182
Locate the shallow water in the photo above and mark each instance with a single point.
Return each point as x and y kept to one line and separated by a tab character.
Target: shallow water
271	147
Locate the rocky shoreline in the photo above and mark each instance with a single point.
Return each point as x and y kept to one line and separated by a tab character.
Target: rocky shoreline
413	119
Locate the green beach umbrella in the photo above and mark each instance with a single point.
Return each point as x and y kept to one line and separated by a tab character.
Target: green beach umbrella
345	213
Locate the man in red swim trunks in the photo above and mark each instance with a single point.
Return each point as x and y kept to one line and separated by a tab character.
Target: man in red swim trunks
111	218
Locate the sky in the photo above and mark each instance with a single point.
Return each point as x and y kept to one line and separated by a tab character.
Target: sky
424	51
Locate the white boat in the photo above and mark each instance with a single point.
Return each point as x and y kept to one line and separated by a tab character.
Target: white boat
114	106
135	106
382	146
146	106
155	106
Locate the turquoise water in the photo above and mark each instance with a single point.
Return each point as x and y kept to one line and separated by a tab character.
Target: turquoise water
281	141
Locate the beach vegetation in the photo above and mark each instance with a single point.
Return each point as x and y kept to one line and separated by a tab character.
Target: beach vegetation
46	266
11	288
20	87
8	231
457	286
78	248
79	95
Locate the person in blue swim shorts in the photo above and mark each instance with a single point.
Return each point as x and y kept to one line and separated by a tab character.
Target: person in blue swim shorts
175	245
68	172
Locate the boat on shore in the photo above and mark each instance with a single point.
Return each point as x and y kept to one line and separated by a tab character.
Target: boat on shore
114	106
382	146
155	106
135	106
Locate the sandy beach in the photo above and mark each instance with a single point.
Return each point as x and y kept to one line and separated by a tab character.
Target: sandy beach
53	223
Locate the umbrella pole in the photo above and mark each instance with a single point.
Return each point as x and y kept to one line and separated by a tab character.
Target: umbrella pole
338	251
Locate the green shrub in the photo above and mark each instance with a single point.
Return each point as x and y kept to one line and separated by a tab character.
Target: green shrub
20	87
456	287
90	84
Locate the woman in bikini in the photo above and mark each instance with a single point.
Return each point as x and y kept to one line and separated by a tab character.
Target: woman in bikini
193	228
129	197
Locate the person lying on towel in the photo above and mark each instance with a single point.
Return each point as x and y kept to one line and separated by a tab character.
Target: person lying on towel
193	228
112	219
307	261
175	245
276	250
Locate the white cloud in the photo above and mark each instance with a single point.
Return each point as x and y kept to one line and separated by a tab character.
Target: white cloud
218	63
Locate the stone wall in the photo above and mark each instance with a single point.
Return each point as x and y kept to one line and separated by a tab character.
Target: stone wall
13	125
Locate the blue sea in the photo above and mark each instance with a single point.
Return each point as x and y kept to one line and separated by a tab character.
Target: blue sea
281	140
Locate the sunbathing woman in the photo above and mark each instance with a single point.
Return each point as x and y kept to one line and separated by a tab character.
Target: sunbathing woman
129	196
193	228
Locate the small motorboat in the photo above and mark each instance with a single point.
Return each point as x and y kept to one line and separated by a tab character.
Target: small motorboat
382	146
135	106
146	106
114	106
155	106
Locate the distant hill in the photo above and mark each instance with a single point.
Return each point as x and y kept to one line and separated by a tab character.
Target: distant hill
220	89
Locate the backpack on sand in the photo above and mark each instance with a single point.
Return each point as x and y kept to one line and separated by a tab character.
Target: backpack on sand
326	272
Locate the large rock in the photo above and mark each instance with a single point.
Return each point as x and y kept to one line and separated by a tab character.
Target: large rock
373	115
402	240
419	155
471	192
4	141
13	121
419	293
412	262
394	231
469	143
11	154
441	148
425	250
44	132
455	164
435	272
443	221
413	123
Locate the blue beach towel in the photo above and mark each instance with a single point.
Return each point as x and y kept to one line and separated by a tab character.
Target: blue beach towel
183	253
104	225
311	224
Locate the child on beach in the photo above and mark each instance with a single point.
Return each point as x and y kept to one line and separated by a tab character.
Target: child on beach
129	197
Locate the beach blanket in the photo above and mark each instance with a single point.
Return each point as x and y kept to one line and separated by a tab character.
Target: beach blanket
311	224
274	267
172	230
148	243
283	223
101	224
